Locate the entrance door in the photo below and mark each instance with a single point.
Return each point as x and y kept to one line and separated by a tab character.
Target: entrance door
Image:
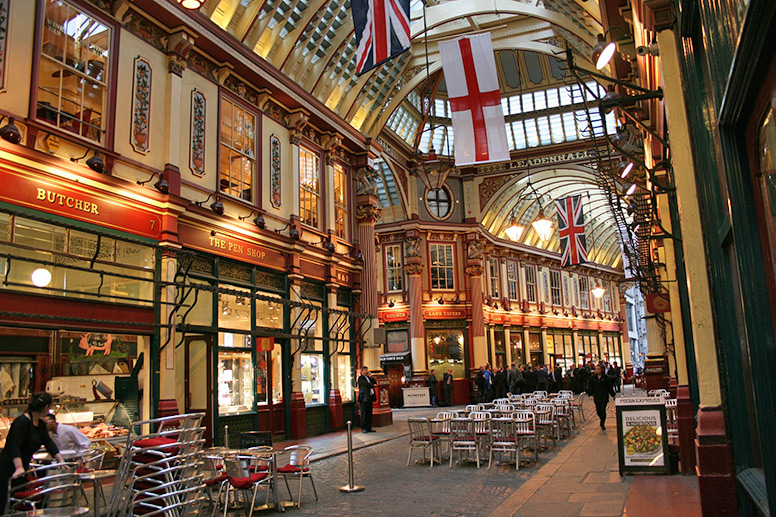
199	381
395	372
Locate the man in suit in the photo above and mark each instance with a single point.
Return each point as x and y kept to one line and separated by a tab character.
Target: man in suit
366	395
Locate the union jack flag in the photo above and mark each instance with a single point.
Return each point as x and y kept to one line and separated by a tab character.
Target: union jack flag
571	229
382	31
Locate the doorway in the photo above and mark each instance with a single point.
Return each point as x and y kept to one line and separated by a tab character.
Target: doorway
197	397
395	372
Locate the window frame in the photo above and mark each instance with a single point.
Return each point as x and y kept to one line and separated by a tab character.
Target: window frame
111	67
531	287
494	277
513	284
449	195
255	186
319	196
388	268
556	291
442	267
341	208
584	293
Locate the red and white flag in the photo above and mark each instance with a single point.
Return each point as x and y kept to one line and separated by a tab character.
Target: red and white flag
475	100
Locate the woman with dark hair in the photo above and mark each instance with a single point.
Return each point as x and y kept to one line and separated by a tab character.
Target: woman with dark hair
27	433
600	388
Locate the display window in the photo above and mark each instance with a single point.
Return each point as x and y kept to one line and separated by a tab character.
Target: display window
499	348
269	376
235	382
344	372
445	350
535	348
516	343
312	379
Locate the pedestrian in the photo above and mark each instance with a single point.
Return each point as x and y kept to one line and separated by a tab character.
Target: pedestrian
500	384
557	378
480	382
512	374
542	378
432	387
447	388
488	383
366	396
26	435
600	388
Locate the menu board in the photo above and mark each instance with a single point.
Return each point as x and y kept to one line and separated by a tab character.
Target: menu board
641	435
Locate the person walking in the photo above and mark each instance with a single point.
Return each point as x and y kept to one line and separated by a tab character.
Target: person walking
512	378
600	388
26	435
366	396
500	385
432	387
447	388
481	383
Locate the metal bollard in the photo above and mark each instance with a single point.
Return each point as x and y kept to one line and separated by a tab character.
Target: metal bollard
226	436
350	487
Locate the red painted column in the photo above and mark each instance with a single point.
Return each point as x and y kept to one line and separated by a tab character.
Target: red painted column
716	476
686	423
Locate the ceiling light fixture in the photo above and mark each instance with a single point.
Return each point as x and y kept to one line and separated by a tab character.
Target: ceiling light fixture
598	291
514	231
192	5
630	190
624	169
41	277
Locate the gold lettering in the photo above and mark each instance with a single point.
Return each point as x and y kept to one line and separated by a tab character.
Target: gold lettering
52	196
41	194
61	199
70	202
94	209
87	206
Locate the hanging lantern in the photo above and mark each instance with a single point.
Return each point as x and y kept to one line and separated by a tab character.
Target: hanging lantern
191	4
543	226
598	291
514	231
434	171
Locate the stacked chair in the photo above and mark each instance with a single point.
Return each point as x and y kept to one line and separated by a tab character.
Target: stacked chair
49	486
160	472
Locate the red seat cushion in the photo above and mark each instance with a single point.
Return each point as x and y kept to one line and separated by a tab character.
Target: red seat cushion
156	442
215	481
247	482
291	469
31	495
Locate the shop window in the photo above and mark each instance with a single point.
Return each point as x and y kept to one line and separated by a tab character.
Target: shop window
344	376
234	312
441	258
235	381
341	365
766	153
87	266
269	313
312	379
340	202
584	293
512	280
393	268
535	349
237	171
530	283
445	349
493	274
269	375
500	349
555	287
438	203
309	187
516	342
73	69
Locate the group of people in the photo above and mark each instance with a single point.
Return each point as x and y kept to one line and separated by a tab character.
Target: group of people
33	429
447	388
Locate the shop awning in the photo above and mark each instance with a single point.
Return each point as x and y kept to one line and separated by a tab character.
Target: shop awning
387	358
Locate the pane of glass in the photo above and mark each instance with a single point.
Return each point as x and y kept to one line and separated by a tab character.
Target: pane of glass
312	379
235	382
39	235
234	312
553	100
445	351
344	376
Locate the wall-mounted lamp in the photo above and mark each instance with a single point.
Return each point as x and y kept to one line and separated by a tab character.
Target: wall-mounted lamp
631	190
293	231
216	206
161	185
603	51
95	163
258	220
624	168
326	243
10	132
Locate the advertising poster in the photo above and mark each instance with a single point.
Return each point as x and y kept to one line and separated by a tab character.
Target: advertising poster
641	437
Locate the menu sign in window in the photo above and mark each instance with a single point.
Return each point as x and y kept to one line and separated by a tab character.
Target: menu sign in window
641	436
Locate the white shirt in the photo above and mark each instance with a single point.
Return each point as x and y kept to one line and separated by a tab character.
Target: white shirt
69	438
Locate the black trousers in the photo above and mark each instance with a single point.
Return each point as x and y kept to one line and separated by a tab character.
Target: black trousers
600	409
366	415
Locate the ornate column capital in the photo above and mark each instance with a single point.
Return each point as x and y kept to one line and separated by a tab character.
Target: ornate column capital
475	270
367	214
413	269
178	47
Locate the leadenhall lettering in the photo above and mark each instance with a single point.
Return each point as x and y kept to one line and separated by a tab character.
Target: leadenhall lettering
70	202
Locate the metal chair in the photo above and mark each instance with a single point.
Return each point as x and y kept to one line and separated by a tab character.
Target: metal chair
440	426
546	423
49	486
578	405
463	439
525	430
240	476
672	424
296	460
658	393
504	440
421	437
564	416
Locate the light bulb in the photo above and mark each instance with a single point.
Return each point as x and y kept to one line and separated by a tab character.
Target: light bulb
41	277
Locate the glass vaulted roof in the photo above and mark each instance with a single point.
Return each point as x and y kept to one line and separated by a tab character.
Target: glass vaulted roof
312	42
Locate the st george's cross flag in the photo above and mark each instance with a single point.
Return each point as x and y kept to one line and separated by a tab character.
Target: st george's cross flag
475	100
571	229
382	31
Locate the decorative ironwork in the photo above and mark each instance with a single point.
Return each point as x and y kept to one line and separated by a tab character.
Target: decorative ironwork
445	324
270	281
234	271
313	291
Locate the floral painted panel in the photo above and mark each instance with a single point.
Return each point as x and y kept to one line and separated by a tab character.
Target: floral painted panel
4	5
197	156
274	170
141	106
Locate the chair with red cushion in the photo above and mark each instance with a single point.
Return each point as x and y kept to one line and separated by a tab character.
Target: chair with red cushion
294	463
242	475
421	437
50	486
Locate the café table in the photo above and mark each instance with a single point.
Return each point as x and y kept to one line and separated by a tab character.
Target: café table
52	512
260	453
96	477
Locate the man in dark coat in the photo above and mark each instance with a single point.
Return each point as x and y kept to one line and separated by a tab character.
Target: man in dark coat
366	396
481	384
542	378
530	380
512	374
600	388
432	387
557	379
447	388
500	384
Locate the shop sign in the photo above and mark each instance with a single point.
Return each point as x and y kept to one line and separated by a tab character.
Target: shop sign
444	313
642	439
265	344
497	318
215	242
53	198
396	315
